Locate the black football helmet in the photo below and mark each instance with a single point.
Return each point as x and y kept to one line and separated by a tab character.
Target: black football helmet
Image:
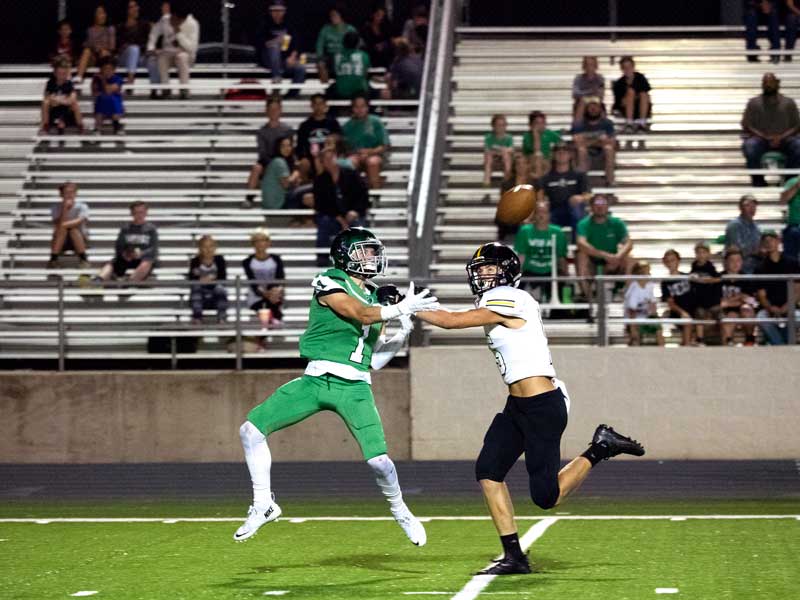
509	269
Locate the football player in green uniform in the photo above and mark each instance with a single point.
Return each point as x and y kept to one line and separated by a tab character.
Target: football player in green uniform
343	340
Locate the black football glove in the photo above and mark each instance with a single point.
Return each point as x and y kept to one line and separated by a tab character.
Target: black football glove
389	294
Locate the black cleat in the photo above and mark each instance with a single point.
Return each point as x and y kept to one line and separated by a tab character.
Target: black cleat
508	565
616	443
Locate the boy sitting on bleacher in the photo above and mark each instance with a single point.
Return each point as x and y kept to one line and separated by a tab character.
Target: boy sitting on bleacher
107	92
136	248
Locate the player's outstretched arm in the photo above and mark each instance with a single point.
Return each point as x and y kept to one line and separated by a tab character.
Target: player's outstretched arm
476	317
351	308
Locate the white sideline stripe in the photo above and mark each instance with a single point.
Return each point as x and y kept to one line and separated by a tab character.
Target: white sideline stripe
276	593
479	582
85	593
666	590
426	519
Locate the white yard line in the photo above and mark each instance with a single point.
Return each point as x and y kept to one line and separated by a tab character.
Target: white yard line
479	582
173	520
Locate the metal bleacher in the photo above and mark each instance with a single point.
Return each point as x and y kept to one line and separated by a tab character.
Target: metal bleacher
675	185
189	159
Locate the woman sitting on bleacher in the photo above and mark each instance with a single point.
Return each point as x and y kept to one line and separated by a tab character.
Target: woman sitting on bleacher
100	42
208	267
280	186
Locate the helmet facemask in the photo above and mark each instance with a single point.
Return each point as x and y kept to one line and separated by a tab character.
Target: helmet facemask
366	258
481	283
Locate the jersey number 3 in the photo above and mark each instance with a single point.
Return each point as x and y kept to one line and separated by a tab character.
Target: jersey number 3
357	356
501	364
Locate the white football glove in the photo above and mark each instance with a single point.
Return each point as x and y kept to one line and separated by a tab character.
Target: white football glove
412	303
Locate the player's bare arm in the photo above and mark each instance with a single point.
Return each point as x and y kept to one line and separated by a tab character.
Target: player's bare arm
476	317
348	307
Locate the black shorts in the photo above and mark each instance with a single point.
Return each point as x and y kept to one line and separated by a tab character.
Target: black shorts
122	266
532	425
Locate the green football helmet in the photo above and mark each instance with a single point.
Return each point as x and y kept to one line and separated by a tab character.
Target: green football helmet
357	251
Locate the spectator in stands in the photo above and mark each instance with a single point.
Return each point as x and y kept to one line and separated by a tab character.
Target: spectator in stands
340	201
107	93
132	37
589	85
281	177
791	234
678	294
60	108
537	148
404	78
70	227
312	134
208	268
160	32
773	295
377	37
765	11
367	141
595	133
770	122
604	246
65	45
534	245
266	137
640	303
743	233
100	42
136	248
498	147
179	49
632	97
351	69
329	41
264	267
706	287
736	301
276	48
415	29
566	189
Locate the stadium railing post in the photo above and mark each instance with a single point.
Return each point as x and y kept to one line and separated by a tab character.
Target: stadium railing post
226	34
791	321
602	317
238	323
62	10
612	19
61	329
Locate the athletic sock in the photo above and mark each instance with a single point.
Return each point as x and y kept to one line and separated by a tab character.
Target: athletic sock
259	463
386	478
595	453
511	546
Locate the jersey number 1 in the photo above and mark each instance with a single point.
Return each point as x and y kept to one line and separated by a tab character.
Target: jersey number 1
357	356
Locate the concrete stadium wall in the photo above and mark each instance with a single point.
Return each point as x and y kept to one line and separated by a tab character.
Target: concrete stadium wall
102	417
681	403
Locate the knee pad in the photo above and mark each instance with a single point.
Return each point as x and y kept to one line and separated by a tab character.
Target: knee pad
381	465
545	496
250	433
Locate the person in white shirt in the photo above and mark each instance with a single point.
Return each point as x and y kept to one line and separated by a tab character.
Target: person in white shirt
535	414
179	35
640	303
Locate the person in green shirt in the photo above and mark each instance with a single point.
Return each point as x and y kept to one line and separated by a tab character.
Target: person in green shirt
329	42
351	67
498	146
603	244
791	234
280	175
367	140
343	340
537	148
534	245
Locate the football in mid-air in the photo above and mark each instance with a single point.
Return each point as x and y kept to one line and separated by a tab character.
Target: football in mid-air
516	204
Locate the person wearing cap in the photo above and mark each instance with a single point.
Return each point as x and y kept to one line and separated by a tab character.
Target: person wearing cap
595	132
276	47
537	148
566	189
770	123
603	244
706	287
588	84
773	295
262	266
743	233
791	234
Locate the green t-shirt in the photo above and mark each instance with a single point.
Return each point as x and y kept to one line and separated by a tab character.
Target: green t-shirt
603	236
351	68
332	337
329	40
536	246
548	137
273	194
365	133
793	216
492	142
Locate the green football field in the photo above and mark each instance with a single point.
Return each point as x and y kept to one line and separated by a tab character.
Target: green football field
349	550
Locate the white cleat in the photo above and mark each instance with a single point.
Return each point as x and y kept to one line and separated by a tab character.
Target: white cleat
411	525
255	519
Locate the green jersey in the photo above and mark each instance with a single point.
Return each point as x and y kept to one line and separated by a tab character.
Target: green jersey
536	247
547	138
350	68
365	133
331	337
606	236
793	216
329	40
492	142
